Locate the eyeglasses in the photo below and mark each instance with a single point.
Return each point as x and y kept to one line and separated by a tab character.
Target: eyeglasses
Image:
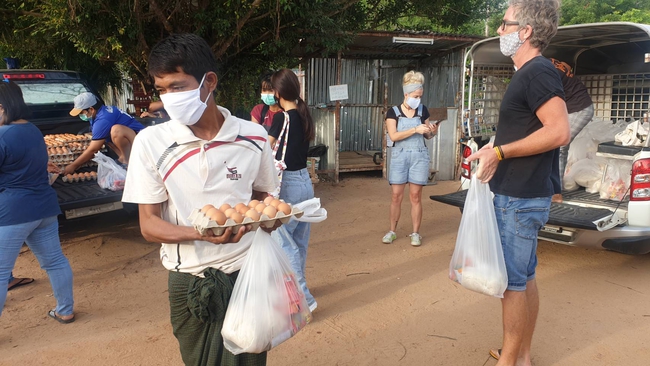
505	23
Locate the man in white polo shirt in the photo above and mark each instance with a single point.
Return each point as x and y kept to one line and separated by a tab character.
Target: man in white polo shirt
203	155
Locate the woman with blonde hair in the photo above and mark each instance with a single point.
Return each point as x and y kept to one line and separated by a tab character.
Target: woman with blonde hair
408	125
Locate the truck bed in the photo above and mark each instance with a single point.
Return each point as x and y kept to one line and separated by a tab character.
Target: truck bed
567	213
85	198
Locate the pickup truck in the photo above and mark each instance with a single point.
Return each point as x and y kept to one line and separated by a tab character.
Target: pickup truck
613	61
49	94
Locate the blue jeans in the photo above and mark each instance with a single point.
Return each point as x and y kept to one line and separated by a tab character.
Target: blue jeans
42	237
293	236
519	220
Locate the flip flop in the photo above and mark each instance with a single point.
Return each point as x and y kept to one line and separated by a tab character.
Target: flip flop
52	314
496	353
21	282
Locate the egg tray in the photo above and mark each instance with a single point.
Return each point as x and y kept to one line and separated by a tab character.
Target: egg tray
202	223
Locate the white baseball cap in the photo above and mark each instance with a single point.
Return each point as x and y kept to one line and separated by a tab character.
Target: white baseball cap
83	101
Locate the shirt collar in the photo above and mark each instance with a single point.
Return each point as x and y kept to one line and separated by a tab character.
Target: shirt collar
228	132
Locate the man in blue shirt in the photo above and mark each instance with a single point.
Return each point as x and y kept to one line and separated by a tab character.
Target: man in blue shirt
109	125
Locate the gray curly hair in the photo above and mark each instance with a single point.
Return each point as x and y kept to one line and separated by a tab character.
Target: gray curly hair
541	15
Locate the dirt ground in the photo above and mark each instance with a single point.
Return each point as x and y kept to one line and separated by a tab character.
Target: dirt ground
377	304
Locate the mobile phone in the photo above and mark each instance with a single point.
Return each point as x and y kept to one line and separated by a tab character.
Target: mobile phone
437	122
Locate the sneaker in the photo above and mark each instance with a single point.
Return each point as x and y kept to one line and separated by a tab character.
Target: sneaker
389	237
416	239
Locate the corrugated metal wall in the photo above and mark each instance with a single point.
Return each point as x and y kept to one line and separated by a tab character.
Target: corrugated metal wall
362	113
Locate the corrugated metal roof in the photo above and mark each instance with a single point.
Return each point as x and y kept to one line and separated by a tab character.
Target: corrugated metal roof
381	45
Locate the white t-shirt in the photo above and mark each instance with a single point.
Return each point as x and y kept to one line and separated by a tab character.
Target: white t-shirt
171	166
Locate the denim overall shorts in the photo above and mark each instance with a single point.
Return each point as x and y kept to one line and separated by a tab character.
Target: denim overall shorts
409	157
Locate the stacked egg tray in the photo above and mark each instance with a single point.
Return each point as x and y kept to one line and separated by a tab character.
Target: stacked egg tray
65	148
79	177
203	219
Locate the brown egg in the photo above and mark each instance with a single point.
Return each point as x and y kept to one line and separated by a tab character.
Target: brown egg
239	207
243	209
217	216
253	203
224	207
253	214
285	208
268	200
260	207
275	203
229	212
270	211
206	208
237	217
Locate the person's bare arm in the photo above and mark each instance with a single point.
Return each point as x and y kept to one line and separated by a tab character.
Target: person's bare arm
554	133
155	229
391	127
89	153
433	129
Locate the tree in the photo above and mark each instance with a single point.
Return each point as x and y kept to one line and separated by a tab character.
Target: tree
109	38
594	11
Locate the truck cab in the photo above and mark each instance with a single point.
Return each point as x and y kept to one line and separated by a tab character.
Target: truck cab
613	61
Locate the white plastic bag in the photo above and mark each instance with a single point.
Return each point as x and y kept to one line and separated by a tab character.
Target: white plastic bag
616	180
635	134
478	263
109	174
586	173
312	212
267	305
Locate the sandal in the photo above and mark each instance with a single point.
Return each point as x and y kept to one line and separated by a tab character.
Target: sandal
21	282
495	353
52	314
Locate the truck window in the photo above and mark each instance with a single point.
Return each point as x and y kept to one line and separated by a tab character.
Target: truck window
50	93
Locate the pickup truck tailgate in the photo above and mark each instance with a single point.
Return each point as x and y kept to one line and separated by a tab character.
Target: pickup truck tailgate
561	214
86	198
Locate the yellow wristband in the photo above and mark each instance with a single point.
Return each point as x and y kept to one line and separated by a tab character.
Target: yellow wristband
498	152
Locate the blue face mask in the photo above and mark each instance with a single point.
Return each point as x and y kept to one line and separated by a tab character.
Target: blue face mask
84	117
268	99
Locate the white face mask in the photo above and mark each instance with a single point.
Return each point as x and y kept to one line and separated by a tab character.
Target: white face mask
185	107
510	43
413	102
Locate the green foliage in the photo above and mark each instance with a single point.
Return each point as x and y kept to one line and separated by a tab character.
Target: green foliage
107	39
592	11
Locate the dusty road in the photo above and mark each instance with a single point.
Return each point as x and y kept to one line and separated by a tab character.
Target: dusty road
377	304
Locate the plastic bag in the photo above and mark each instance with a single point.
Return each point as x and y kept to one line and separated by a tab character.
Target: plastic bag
312	212
586	173
585	144
478	263
616	180
109	174
267	305
635	134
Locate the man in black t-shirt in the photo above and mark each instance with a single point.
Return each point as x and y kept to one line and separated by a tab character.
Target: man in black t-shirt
580	108
533	124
